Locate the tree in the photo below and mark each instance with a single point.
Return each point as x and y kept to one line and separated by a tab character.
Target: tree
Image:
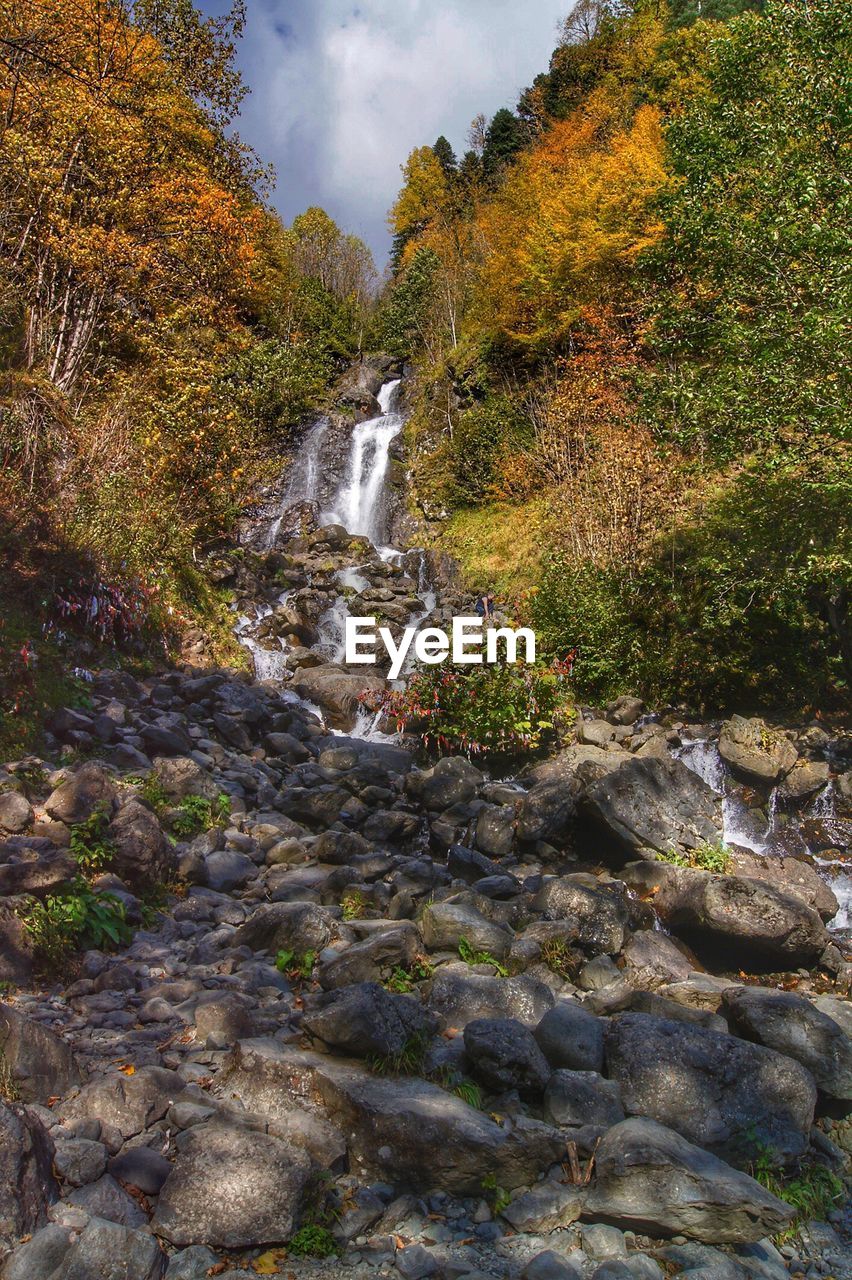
503	141
446	158
424	195
753	288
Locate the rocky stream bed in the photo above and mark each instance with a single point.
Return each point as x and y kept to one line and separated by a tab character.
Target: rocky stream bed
444	1023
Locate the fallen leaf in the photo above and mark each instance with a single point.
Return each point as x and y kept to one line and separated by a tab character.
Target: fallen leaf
267	1264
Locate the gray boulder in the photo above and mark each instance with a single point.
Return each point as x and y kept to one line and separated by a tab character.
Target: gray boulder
38	868
90	787
27	1185
548	1206
336	690
459	996
40	1256
232	1188
180	776
453	780
365	1020
16	812
40	1062
732	1097
652	805
652	1180
109	1251
287	926
547	810
445	924
503	1055
755	752
570	1036
792	1026
573	1099
126	1103
740	920
414	1134
142	855
106	1199
374	958
600	908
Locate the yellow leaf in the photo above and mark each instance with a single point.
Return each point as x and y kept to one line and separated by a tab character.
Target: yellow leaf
267	1264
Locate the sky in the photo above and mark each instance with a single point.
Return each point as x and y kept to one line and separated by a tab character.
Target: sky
342	90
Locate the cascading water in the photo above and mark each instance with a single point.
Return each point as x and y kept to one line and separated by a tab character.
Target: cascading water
358	504
303	478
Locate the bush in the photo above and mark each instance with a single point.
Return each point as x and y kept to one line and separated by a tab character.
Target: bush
478	709
74	919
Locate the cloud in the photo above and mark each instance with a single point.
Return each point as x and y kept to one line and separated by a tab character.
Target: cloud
343	90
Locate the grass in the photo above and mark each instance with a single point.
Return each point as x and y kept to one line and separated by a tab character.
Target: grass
296	966
9	1091
353	905
812	1190
402	981
313	1241
715	858
471	956
556	954
407	1062
498	1197
498	546
191	815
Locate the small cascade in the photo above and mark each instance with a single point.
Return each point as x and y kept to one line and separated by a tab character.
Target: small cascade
358	504
303	479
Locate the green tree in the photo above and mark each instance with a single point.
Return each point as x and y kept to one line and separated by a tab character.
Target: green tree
503	141
753	289
446	157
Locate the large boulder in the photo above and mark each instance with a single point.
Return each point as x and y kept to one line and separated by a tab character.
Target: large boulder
651	806
39	1062
652	1180
503	1055
232	1188
373	959
16	943
110	1251
791	1025
336	690
414	1134
600	909
34	867
755	752
453	780
181	776
574	1099
791	875
547	810
141	853
734	918
27	1185
365	1021
732	1097
16	812
88	788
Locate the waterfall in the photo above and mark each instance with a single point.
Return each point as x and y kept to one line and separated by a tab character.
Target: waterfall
303	478
358	505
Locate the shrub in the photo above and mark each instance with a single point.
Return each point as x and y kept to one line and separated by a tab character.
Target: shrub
706	857
313	1241
478	709
73	919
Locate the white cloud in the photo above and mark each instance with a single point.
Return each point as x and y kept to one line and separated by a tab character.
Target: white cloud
342	91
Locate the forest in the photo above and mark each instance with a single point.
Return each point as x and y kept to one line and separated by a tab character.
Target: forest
625	307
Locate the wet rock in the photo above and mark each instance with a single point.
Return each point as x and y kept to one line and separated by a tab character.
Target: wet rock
90	787
503	1055
652	1179
367	1021
599	908
755	752
570	1036
805	779
792	1026
415	1134
732	1097
460	996
791	875
652	805
232	1188
743	920
336	690
27	1185
444	925
141	854
576	1098
453	780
